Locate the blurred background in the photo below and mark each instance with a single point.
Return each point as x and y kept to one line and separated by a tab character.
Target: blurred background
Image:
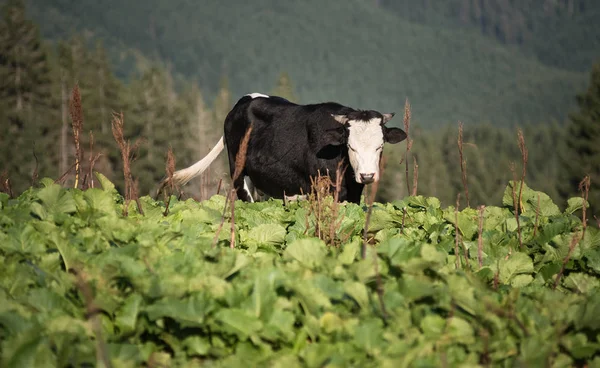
176	67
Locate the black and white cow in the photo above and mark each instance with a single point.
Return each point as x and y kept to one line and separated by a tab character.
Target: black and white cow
291	143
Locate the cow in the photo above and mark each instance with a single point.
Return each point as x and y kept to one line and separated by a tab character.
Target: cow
290	143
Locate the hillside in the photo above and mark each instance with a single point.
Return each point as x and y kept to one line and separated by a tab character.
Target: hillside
350	51
559	33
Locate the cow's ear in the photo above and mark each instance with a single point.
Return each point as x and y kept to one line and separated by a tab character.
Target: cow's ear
393	135
333	137
387	117
342	119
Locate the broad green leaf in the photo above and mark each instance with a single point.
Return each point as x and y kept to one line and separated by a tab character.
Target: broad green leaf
517	264
575	204
269	234
309	252
582	283
189	312
106	184
126	317
239	321
529	200
369	336
358	292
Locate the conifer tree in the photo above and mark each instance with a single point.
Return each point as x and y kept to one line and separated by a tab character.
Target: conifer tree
582	155
26	106
284	88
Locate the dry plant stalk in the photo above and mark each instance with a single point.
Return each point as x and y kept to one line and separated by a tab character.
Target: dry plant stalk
497	275
240	162
584	188
537	216
456	233
463	162
415	176
169	169
35	175
219	185
6	186
92	161
218	232
409	141
77	123
127	152
92	312
516	203
572	246
320	188
63	177
403	220
370	201
480	237
524	158
335	223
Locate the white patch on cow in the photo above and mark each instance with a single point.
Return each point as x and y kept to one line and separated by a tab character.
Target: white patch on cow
296	197
249	187
365	142
255	95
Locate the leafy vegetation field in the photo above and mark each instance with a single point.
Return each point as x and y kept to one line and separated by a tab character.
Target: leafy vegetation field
82	284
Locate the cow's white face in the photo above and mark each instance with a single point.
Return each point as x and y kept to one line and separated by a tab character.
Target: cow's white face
365	144
366	136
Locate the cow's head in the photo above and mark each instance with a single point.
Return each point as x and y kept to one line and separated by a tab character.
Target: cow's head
364	133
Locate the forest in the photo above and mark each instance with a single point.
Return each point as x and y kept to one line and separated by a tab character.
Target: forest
166	105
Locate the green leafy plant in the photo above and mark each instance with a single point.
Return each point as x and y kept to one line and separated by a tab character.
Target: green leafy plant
81	284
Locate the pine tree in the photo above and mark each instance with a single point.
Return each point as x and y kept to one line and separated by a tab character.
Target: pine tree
222	104
159	117
582	155
284	88
27	126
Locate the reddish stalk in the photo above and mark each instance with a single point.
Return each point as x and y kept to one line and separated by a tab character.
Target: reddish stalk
92	314
169	169
240	162
584	188
572	246
77	123
34	176
6	186
463	162
218	232
127	153
456	233
480	237
219	186
516	204
415	176
409	141
537	216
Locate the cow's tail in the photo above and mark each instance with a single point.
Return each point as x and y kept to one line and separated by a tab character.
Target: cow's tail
183	176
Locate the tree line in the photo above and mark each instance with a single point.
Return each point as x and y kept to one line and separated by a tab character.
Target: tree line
36	80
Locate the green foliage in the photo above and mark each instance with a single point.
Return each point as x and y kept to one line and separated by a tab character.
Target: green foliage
165	295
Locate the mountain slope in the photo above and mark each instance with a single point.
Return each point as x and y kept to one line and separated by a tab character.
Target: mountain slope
560	33
348	51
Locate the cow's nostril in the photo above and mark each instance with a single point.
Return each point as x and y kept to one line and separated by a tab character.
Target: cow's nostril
367	178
